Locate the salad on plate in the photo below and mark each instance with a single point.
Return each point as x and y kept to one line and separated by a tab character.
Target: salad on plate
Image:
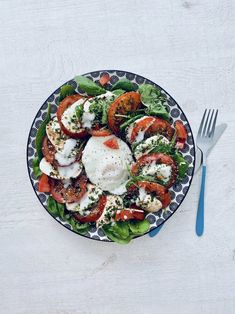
108	156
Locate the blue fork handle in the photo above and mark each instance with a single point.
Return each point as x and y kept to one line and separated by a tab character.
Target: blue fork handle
200	209
155	231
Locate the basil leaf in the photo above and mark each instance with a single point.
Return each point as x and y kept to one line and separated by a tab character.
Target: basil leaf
36	170
41	134
88	86
182	164
65	91
125	85
139	227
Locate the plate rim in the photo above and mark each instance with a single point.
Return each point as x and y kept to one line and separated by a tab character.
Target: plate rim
193	168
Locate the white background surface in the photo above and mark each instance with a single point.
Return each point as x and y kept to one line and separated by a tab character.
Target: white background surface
188	48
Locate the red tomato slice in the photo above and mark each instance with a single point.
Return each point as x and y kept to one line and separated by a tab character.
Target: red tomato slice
48	150
65	103
160	126
105	78
112	143
181	134
158	158
101	132
72	193
95	213
128	102
161	192
43	184
128	214
141	125
57	191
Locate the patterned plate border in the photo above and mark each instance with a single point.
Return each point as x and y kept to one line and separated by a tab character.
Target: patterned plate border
178	191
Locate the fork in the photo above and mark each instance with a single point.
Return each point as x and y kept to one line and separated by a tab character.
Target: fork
204	141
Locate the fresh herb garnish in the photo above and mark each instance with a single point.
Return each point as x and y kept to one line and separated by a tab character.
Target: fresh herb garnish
167	149
99	106
79	112
154	101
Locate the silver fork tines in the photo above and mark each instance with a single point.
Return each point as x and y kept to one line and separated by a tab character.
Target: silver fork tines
211	134
208	123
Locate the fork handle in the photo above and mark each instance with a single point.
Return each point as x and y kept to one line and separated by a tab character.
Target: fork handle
200	209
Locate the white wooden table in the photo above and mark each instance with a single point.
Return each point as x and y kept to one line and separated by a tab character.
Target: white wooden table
187	47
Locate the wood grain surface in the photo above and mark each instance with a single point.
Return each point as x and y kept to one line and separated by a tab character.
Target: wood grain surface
187	47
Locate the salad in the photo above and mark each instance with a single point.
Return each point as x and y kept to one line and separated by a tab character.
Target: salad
108	156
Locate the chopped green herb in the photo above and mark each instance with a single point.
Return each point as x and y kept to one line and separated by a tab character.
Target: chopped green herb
167	149
79	112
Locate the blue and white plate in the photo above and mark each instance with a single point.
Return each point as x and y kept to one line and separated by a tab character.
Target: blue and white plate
178	191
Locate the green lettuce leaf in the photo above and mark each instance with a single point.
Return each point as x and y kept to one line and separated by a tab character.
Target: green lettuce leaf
41	134
154	101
